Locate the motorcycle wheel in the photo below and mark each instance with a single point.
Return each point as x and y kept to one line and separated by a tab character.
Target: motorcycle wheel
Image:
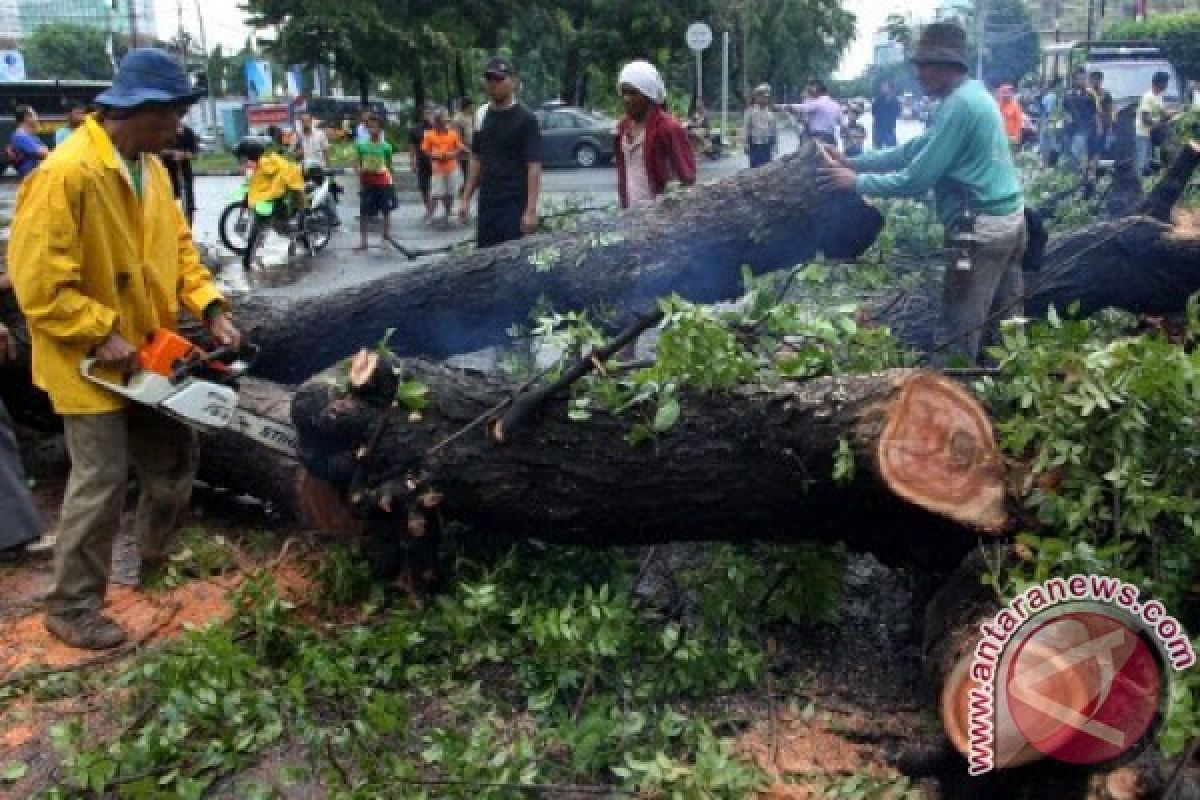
234	227
318	226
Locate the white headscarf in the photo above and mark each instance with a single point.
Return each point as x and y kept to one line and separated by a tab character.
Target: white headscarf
643	76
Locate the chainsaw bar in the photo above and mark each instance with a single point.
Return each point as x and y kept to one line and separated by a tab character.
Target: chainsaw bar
267	432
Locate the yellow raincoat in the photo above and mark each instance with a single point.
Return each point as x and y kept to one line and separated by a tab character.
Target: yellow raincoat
273	177
87	258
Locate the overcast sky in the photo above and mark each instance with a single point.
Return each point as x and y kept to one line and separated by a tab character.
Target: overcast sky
223	24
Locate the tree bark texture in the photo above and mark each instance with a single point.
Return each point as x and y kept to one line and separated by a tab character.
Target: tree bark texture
693	243
755	463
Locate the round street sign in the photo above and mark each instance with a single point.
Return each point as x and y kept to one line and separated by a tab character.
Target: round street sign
699	36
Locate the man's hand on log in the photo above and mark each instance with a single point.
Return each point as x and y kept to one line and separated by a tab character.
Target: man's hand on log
834	179
529	222
223	331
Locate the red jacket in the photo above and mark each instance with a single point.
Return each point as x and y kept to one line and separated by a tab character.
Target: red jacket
668	154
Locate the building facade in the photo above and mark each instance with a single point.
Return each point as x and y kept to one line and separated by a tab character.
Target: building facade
108	15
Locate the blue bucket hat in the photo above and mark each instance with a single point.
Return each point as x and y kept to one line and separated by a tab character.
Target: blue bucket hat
148	75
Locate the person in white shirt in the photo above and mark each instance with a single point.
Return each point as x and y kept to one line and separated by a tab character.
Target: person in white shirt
311	143
1150	112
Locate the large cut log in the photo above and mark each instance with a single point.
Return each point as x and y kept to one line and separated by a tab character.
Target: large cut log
694	244
755	463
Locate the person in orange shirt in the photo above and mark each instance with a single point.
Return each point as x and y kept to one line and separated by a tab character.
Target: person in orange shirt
1014	117
443	145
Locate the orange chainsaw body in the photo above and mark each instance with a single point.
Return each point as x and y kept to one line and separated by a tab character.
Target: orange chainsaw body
164	351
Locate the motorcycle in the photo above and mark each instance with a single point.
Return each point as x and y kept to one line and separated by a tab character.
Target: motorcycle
236	219
311	225
706	142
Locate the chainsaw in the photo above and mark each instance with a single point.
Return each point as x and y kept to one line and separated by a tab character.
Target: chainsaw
196	387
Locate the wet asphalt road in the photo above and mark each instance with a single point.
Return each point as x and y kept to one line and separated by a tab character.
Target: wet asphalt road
338	266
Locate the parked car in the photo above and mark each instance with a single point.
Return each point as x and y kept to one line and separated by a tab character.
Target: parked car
574	136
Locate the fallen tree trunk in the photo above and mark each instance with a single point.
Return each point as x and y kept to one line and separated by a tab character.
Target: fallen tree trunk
693	244
755	463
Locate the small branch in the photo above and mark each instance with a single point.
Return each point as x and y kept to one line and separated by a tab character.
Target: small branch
525	404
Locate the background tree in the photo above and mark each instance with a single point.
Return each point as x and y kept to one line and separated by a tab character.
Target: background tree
1012	48
67	52
791	41
1179	35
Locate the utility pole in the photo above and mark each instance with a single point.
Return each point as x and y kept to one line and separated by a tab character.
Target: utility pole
218	140
133	31
1091	20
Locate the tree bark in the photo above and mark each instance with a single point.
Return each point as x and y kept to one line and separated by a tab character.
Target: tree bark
693	244
754	463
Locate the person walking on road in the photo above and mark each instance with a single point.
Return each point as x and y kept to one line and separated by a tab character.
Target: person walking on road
178	160
761	128
1049	143
75	117
506	163
378	190
652	148
311	143
822	114
443	146
25	149
100	257
1151	112
464	123
418	160
1014	116
885	113
1081	113
965	158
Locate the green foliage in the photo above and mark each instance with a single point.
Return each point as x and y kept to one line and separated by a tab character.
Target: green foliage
1107	423
792	40
1012	46
1182	724
861	786
586	681
1179	35
62	51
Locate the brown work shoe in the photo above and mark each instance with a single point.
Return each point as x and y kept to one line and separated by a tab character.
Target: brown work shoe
87	630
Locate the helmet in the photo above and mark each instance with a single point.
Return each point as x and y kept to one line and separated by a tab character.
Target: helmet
251	148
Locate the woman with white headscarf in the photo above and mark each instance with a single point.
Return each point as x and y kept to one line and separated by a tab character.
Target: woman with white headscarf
652	148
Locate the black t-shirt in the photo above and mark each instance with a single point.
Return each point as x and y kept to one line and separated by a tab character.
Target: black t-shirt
1081	110
507	143
186	141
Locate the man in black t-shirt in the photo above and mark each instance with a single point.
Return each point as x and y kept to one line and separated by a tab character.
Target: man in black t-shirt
1081	112
885	111
178	160
506	163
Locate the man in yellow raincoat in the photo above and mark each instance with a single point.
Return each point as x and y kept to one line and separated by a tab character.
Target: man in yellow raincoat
100	256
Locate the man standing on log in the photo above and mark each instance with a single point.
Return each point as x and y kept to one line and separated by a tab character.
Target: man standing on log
652	148
100	257
506	163
965	158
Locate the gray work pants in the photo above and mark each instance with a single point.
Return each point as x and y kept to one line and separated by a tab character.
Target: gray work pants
102	447
975	300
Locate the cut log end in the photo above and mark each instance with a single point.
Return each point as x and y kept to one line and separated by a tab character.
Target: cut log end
322	509
373	378
938	452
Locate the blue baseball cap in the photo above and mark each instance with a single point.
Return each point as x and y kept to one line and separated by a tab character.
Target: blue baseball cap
148	75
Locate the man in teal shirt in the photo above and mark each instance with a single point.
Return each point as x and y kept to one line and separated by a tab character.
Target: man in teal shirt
965	158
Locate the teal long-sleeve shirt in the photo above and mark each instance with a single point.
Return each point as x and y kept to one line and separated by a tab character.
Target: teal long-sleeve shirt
965	146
